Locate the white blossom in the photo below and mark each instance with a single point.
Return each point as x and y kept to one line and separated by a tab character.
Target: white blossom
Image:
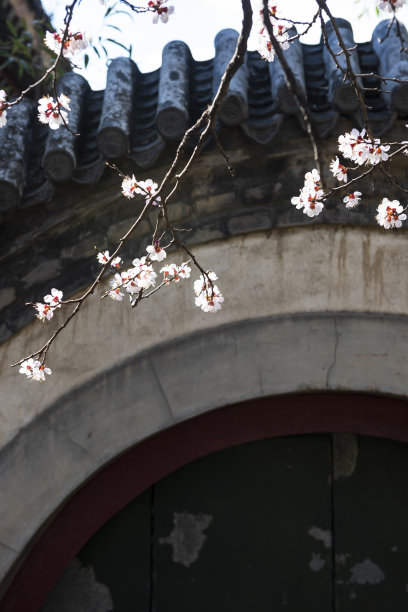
116	262
338	170
352	199
161	12
52	301
54	298
361	150
51	113
311	194
104	257
34	370
279	26
208	297
390	214
172	272
116	295
390	5
3	112
44	311
148	188
313	206
129	185
156	253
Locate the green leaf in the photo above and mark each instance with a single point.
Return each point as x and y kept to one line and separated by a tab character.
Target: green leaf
86	60
110	25
119	44
12	28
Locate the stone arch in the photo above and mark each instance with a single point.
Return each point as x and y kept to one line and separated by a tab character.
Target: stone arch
53	456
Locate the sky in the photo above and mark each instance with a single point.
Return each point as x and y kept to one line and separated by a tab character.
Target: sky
196	22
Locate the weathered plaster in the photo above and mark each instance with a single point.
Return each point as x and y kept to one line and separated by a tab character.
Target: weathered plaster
312	309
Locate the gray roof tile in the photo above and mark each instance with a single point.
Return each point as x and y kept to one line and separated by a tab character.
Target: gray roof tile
138	113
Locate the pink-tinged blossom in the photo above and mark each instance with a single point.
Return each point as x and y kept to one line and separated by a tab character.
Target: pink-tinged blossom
74	42
390	214
352	199
3	112
390	5
161	12
34	370
51	113
156	253
54	298
338	170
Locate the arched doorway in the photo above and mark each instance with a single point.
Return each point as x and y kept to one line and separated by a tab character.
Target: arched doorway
120	483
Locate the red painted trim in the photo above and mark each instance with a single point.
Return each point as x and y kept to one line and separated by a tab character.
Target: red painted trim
121	481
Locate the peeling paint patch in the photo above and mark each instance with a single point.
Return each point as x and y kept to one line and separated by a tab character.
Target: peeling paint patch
76	590
187	537
366	572
341	558
345	455
321	535
316	562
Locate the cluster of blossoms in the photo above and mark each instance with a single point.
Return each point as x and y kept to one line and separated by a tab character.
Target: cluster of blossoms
133	280
52	301
280	29
51	113
3	112
34	370
355	146
311	194
131	186
73	43
390	214
160	11
208	297
174	273
142	276
390	5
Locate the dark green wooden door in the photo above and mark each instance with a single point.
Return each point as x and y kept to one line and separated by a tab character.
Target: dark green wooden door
304	523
